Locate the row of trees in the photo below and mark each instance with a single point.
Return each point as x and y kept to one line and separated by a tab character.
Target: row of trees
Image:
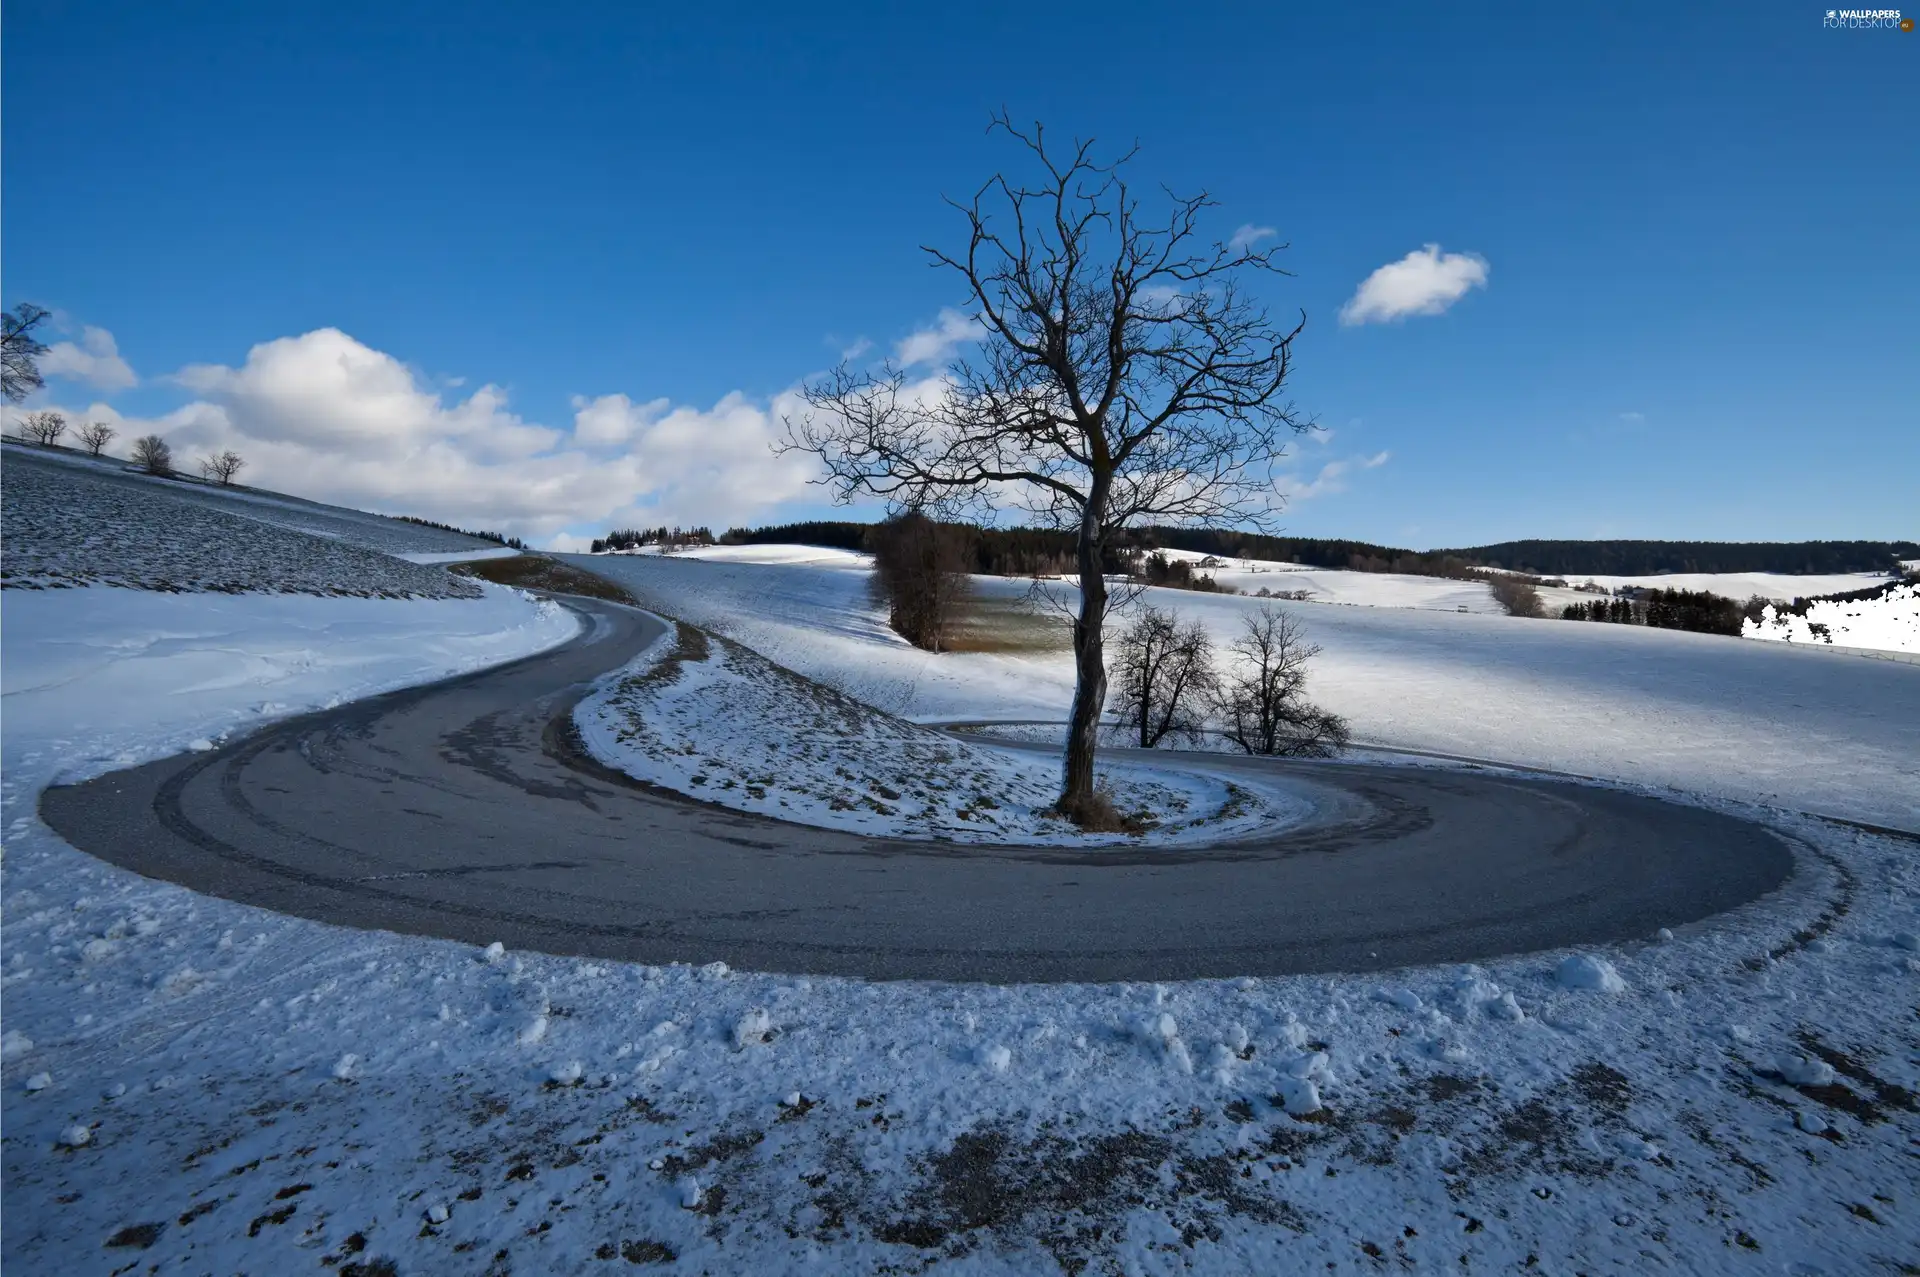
668	539
1699	611
1170	688
151	453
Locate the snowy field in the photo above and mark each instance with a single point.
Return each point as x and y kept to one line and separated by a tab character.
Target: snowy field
196	1086
1754	722
201	1086
704	716
70	523
296	514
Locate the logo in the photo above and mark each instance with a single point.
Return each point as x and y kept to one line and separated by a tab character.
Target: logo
1866	20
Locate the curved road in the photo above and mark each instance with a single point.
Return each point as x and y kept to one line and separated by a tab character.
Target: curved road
464	809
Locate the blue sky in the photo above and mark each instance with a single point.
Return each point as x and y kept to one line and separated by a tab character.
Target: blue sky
403	255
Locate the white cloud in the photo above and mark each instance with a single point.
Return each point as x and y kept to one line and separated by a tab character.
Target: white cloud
323	416
613	419
937	344
1424	282
1249	235
1633	418
1331	478
95	359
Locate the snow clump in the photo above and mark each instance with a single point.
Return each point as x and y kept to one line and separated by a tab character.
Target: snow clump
752	1028
1805	1070
994	1059
1585	971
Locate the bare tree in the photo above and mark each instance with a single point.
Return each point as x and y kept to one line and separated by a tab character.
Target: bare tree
919	572
95	436
20	351
1262	705
1124	373
1165	674
152	454
222	466
44	428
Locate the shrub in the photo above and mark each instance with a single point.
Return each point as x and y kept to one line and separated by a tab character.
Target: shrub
1517	595
919	575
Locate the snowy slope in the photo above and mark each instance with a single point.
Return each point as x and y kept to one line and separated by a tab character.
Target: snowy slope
1754	721
69	523
717	721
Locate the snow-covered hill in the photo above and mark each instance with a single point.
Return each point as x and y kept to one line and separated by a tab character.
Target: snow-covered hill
1756	721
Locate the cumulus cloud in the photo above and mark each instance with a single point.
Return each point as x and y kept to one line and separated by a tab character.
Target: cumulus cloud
1424	282
937	344
1331	478
324	416
1249	235
94	359
613	419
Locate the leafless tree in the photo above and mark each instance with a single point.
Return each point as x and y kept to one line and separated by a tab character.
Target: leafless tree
1124	373
44	428
1165	675
919	573
1262	705
222	466
95	436
152	454
20	351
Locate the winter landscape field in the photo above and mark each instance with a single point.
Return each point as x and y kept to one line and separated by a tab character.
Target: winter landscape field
1118	640
206	1085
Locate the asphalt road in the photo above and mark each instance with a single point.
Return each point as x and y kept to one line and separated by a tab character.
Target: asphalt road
464	809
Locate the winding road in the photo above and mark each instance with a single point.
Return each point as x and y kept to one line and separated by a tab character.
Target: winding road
465	809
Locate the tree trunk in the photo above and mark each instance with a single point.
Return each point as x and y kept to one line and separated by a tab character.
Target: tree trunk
1090	670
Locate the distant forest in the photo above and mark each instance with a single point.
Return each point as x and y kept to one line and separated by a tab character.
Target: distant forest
1023	551
1648	558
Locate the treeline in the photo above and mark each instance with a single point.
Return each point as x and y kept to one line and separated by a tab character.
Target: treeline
1656	558
514	543
667	538
1700	611
1025	551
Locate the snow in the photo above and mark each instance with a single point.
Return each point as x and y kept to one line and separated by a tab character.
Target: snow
461	556
196	1122
761	555
1694	712
1889	623
107	678
1586	971
1741	586
70	525
1804	1070
717	721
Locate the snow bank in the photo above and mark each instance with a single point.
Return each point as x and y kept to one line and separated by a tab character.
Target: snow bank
1890	623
